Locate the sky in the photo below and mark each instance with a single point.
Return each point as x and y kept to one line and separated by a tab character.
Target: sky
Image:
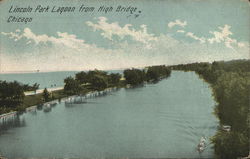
157	32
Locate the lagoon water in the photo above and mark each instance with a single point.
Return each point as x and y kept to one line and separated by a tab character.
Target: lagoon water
162	120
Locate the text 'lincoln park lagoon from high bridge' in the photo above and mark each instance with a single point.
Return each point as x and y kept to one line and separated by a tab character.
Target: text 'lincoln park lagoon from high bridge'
68	9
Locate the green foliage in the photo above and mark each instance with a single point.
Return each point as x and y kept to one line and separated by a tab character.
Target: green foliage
82	77
134	76
230	145
46	95
114	78
71	86
232	94
98	79
156	72
11	94
99	82
152	73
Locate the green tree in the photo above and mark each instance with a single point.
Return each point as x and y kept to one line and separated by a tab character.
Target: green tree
82	77
99	82
230	145
46	95
134	76
114	78
155	73
11	94
71	86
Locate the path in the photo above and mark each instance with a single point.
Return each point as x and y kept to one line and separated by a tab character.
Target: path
41	91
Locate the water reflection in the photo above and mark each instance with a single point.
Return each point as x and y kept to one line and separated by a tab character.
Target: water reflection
83	99
11	122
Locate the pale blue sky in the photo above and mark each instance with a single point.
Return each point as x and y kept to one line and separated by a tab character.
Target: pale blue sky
195	36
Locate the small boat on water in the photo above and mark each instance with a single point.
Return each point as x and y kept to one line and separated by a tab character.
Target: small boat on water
47	107
53	104
226	128
202	145
31	109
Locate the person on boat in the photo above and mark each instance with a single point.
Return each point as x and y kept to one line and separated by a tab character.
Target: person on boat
201	146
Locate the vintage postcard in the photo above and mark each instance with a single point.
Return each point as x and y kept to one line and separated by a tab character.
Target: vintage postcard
124	79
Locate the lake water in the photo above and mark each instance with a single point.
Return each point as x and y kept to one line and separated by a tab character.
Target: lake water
166	119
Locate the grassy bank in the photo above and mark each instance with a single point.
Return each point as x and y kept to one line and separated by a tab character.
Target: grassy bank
32	100
38	99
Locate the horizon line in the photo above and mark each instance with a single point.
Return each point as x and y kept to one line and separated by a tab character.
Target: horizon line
44	71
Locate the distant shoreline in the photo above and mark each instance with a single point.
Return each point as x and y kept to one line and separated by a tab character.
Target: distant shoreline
47	71
25	72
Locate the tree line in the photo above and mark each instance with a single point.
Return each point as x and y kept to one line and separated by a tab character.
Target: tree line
99	80
91	80
149	74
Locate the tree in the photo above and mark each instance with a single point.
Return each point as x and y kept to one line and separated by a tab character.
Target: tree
134	76
82	77
71	86
114	78
156	72
35	86
153	74
11	94
99	82
230	145
46	95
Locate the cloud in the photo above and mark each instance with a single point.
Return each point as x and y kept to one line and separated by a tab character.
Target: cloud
200	39
13	35
111	29
68	52
223	36
177	22
63	39
180	31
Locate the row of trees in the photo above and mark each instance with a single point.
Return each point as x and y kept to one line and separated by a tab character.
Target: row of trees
230	82
96	79
153	73
99	80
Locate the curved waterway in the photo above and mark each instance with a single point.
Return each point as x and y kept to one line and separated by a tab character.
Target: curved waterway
162	120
